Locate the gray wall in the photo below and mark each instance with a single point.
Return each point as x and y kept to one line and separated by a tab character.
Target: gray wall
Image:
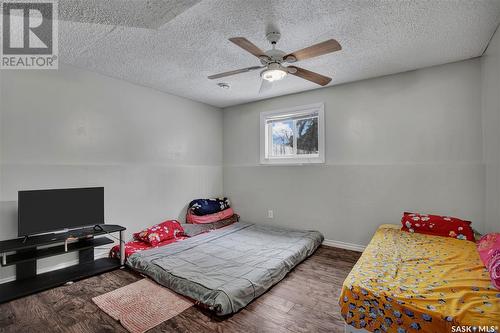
405	142
153	152
491	131
1	112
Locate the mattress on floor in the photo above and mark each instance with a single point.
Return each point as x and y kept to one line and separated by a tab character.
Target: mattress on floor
226	269
407	282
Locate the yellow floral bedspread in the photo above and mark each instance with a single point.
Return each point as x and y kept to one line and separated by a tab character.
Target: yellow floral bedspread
408	282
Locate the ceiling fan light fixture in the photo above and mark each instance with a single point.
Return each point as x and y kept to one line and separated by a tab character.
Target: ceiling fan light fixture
274	72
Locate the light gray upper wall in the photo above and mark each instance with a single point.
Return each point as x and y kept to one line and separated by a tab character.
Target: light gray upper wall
1	107
405	142
490	86
153	152
73	117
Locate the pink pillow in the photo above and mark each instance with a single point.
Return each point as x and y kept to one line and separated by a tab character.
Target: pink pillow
494	269
489	251
195	219
160	232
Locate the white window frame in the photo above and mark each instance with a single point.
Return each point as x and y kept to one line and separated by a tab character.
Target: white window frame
294	111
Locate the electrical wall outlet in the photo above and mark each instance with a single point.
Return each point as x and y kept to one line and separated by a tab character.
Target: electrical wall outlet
270	214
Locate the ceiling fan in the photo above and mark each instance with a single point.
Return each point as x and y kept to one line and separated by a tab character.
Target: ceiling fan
272	61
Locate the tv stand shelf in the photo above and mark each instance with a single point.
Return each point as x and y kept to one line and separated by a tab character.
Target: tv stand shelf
41	282
55	250
25	253
47	239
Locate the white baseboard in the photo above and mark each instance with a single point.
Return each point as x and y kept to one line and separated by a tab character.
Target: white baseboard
54	267
344	245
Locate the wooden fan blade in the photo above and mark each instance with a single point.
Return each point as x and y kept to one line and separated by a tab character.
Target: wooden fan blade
310	76
237	71
325	47
248	46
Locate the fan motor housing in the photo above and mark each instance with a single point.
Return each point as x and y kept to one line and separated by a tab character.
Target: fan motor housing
274	56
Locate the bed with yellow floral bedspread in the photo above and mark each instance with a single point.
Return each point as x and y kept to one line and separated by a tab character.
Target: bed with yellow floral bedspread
407	282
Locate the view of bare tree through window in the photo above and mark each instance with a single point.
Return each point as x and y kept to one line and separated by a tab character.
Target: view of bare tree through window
284	132
307	136
282	138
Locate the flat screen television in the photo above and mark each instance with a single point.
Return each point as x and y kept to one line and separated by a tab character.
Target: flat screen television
41	211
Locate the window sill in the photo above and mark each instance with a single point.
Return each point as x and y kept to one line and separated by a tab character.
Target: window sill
291	162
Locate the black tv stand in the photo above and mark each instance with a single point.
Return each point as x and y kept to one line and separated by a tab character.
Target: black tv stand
24	253
98	227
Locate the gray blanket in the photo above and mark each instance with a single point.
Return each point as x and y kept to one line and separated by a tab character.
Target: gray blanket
227	268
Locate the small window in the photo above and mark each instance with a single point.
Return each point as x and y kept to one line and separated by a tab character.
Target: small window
293	136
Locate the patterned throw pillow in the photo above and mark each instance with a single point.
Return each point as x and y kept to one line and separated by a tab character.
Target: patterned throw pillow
487	245
160	232
489	251
137	246
445	226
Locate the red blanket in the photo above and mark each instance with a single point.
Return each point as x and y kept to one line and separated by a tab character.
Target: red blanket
136	246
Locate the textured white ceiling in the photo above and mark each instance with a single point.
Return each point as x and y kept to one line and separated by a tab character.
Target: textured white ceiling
173	46
150	14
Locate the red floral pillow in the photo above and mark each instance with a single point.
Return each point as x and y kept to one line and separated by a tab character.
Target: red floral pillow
160	232
445	226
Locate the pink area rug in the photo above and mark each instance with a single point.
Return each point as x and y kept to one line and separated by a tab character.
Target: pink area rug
142	305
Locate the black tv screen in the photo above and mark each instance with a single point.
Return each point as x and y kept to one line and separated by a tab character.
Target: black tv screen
42	211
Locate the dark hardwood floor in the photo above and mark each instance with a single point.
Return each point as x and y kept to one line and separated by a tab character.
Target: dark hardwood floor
305	301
